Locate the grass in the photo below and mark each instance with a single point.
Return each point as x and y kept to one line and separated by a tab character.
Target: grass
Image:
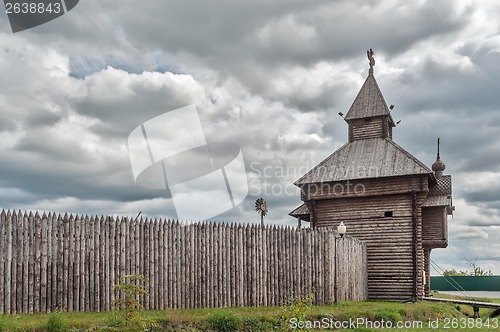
249	319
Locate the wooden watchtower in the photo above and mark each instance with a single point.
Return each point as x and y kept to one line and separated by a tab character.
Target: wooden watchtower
384	195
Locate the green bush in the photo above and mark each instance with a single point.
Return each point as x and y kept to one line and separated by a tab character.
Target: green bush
297	308
388	315
224	322
57	323
259	324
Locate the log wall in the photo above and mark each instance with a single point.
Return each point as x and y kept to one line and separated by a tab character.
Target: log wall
435	227
394	244
53	262
379	126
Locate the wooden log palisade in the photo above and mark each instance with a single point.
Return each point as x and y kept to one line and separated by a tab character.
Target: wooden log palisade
54	262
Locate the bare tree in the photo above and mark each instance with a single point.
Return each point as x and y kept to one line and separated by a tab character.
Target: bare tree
475	269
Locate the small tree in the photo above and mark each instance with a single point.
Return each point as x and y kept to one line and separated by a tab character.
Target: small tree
130	290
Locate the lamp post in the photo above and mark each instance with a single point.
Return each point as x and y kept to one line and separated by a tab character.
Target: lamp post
341	229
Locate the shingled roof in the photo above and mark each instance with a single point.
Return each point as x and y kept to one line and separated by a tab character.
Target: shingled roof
369	102
440	192
362	159
442	186
301	211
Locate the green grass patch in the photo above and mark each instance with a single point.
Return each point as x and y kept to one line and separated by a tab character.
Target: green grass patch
258	319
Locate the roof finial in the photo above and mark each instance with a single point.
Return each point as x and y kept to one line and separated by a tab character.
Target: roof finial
371	60
438	167
438	150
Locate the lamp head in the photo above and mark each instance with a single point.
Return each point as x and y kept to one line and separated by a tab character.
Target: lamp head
341	229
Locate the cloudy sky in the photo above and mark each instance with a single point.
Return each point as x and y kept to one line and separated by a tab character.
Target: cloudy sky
270	76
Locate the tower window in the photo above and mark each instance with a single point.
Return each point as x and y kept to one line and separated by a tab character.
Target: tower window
388	214
368	119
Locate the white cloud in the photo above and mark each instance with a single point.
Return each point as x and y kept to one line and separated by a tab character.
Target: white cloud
270	77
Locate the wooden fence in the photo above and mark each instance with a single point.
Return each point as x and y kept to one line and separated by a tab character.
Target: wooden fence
53	262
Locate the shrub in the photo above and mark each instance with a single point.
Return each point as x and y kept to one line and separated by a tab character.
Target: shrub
297	308
387	315
262	324
224	322
57	323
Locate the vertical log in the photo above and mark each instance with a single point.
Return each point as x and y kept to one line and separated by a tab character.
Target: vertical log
278	260
151	262
128	246
160	261
123	239
263	244
8	263
25	260
83	266
60	262
147	252
240	267
164	274
44	260
228	256
3	250
244	266
270	281
95	283
184	265
195	284
178	263
155	281
203	261
170	257
299	253
50	225
187	263
73	269
137	247
19	261
111	259
232	264
116	257
55	257
38	258
209	264
222	266
76	299
102	256
91	273
67	238
216	266
15	241
194	256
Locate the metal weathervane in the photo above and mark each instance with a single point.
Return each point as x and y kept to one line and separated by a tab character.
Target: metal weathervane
261	208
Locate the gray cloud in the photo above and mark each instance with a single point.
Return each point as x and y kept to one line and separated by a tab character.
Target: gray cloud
269	76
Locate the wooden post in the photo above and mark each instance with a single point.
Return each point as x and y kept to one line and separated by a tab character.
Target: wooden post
44	260
3	250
